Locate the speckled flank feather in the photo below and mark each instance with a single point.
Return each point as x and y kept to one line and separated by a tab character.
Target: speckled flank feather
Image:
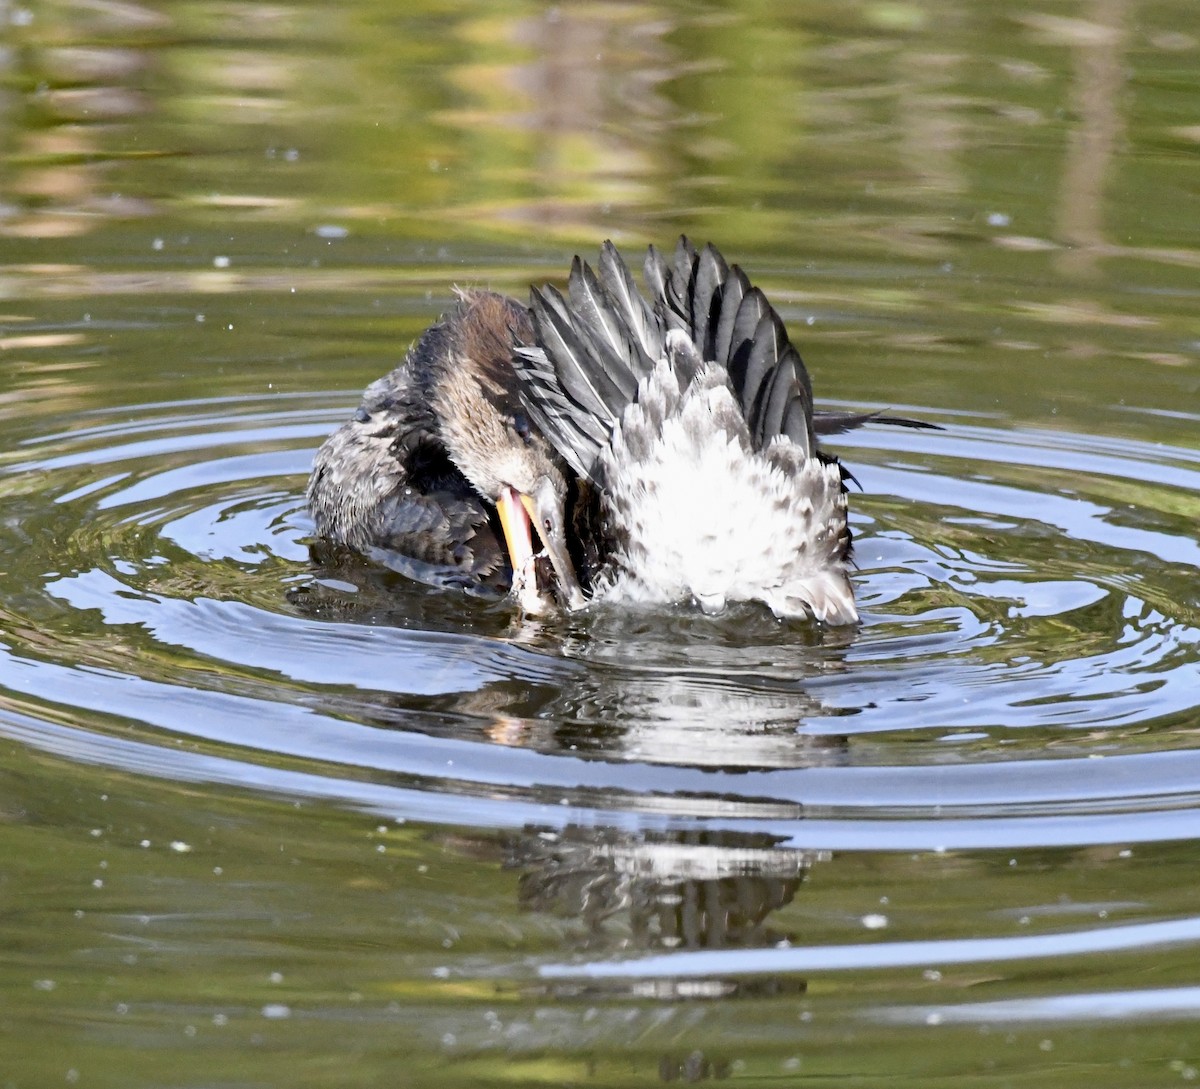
386	483
383	485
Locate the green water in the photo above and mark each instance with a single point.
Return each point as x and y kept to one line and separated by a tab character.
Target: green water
268	824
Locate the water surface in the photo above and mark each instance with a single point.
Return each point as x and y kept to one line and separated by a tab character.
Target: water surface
272	816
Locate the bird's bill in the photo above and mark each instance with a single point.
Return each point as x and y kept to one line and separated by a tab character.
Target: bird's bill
518	539
568	584
514	521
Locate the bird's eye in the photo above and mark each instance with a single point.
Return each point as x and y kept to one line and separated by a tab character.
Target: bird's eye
547	525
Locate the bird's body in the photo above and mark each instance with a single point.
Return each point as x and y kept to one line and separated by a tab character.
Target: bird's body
663	447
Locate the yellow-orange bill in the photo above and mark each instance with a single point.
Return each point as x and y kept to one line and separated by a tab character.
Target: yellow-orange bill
530	508
518	537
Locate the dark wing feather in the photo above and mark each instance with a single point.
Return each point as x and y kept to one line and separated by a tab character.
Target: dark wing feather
735	288
749	357
582	375
597	323
733	324
784	404
656	273
629	306
797	424
592	355
584	370
577	435
711	273
676	302
706	294
684	273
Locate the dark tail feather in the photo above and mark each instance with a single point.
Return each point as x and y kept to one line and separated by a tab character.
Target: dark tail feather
711	274
838	423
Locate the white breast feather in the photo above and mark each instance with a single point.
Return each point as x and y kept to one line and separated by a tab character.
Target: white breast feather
710	519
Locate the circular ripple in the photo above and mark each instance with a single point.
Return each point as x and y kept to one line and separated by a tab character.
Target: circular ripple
1029	603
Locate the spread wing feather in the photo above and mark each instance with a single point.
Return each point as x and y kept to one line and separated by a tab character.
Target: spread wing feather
783	403
607	336
581	373
594	348
577	436
633	310
735	288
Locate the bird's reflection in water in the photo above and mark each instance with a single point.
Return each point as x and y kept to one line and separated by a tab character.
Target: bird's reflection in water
661	891
699	890
668	687
693	1067
693	722
682	689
